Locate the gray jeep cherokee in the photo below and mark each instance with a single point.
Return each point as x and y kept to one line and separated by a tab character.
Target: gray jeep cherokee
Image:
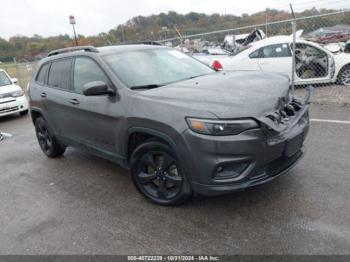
180	126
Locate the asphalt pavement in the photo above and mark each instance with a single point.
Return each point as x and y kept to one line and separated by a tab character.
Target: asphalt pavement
81	204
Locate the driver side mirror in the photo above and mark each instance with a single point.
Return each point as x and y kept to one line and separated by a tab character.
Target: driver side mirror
14	80
97	88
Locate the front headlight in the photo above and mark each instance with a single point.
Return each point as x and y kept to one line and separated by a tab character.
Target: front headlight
17	94
220	127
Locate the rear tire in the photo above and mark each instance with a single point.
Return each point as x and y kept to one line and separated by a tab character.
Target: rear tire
47	141
158	174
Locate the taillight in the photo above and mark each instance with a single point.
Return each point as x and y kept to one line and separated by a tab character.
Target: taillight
216	65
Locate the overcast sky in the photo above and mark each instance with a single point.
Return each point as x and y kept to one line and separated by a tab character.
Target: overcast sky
50	17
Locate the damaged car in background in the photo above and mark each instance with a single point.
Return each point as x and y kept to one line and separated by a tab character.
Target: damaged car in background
331	34
235	43
177	124
314	63
232	44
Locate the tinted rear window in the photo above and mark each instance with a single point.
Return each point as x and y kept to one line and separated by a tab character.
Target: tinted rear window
42	74
59	75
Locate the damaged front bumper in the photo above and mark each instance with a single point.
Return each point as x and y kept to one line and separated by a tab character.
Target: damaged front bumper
288	114
219	165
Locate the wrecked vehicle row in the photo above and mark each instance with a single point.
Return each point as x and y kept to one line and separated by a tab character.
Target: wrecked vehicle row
314	64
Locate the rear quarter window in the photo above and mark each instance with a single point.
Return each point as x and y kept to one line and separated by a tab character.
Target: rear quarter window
41	76
59	74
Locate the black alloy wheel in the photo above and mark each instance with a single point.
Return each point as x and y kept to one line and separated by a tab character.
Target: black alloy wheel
47	141
158	174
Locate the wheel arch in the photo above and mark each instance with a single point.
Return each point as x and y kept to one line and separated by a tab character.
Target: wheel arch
343	67
139	135
35	114
341	70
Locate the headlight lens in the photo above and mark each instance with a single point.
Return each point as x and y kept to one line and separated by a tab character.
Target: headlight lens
17	94
220	127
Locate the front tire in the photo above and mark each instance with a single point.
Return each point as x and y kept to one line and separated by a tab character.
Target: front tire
158	174
344	76
47	141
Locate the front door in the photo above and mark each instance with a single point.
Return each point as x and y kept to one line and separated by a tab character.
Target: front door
96	118
312	64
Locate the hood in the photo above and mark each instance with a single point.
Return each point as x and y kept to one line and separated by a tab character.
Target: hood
342	55
9	89
225	94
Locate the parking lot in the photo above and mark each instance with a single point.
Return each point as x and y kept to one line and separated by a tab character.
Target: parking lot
81	204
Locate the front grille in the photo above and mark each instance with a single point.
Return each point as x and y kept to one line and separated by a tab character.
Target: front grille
9	109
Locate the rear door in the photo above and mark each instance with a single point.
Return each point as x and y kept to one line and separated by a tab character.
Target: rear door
38	92
62	102
276	58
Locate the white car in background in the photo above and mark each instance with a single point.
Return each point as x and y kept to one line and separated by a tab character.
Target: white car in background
314	64
12	97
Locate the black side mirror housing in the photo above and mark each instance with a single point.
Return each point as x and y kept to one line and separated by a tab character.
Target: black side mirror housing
97	88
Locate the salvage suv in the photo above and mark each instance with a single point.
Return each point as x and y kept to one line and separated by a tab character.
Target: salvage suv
177	124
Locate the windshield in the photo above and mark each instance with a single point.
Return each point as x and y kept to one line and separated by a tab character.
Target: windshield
4	79
155	67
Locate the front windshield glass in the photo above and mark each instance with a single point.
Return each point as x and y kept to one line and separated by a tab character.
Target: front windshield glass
4	80
155	67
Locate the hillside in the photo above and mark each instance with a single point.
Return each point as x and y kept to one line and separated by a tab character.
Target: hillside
141	28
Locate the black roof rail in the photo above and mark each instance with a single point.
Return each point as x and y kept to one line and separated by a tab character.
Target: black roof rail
72	49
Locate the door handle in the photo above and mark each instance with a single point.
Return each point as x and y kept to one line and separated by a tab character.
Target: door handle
74	101
43	95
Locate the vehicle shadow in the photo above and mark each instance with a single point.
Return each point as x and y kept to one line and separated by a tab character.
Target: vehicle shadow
10	118
117	184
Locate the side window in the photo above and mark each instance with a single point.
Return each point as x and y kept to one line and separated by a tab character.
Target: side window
86	71
255	54
41	77
313	51
279	50
59	74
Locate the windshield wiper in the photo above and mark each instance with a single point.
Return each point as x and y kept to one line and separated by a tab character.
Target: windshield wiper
145	86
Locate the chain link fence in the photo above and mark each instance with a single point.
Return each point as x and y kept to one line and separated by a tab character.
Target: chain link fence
322	48
22	71
324	59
